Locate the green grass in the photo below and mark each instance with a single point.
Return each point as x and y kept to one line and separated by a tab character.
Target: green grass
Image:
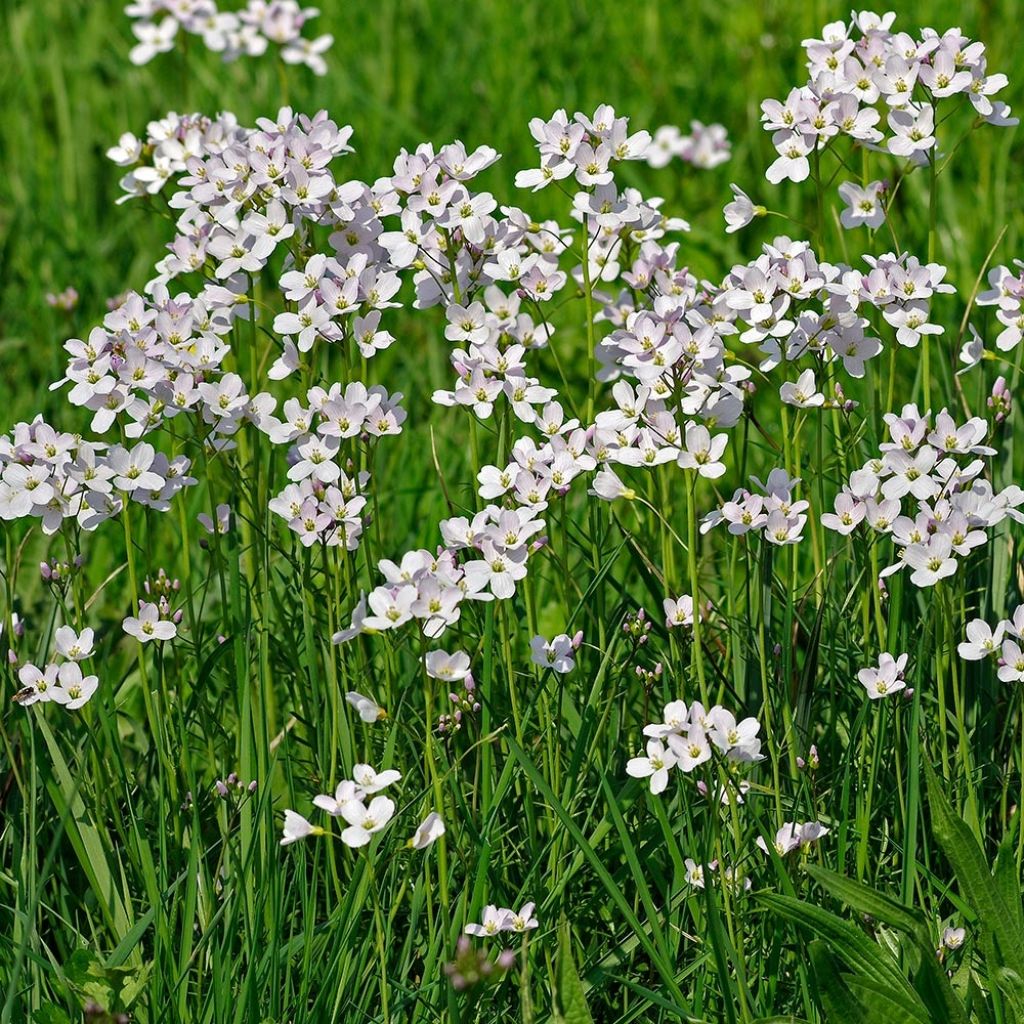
126	880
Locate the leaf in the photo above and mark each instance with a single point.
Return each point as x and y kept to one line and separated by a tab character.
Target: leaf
1012	986
883	1005
933	985
85	973
865	900
852	946
840	1004
50	1014
722	950
572	1008
1006	876
134	985
972	873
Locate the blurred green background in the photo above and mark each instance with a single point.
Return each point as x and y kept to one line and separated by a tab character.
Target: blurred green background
402	72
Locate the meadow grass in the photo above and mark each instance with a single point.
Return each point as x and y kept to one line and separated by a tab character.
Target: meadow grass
130	881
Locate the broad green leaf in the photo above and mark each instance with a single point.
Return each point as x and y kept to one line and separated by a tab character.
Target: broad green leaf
978	886
1012	986
50	1014
933	985
865	900
852	946
841	1006
572	1008
1006	875
86	975
883	1005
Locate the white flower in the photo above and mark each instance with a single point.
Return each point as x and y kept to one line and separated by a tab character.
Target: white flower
692	749
370	781
608	486
365	821
741	211
148	625
450	667
794	835
223	523
521	920
296	827
849	512
654	766
428	831
931	561
1012	657
73	646
676	718
738	740
37	685
803	394
345	791
694	873
792	162
982	640
556	654
368	709
703	452
862	205
494	921
886	679
74	689
678	612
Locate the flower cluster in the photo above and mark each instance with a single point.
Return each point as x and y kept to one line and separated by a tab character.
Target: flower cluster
233	34
705	147
484	270
363	820
879	88
156	357
538	472
1007	295
582	147
937	467
62	680
1006	642
323	503
686	737
472	967
792	306
169	144
776	513
794	836
430	588
502	919
240	201
55	476
64	301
